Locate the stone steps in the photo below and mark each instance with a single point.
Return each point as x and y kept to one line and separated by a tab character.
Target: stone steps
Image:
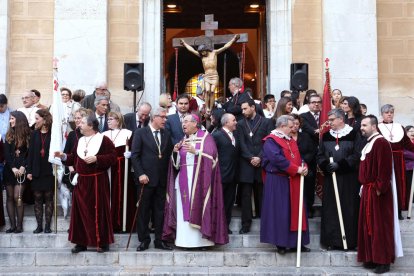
60	240
29	224
215	257
162	270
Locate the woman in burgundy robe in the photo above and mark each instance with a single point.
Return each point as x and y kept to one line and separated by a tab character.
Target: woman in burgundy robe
91	223
120	137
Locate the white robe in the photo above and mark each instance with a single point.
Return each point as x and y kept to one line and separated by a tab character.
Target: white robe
187	235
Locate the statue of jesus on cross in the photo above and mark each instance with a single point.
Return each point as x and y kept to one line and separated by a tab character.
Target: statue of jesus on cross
209	59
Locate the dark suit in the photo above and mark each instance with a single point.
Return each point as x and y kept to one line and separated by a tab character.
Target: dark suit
251	177
308	142
228	162
308	151
309	125
130	120
174	126
233	106
145	160
105	122
89	101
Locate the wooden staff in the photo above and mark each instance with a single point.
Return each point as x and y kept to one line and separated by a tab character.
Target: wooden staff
410	203
55	168
135	216
300	217
338	206
126	171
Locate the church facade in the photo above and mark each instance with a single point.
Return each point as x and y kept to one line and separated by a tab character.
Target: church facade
370	45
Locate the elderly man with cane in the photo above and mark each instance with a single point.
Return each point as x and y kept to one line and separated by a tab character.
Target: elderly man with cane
282	165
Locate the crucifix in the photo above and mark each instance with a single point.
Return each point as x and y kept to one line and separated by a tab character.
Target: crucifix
207	53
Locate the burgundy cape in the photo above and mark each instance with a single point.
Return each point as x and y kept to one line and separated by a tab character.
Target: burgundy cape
117	193
90	223
291	148
208	191
376	224
399	169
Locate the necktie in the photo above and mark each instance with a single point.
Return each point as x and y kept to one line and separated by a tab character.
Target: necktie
139	124
182	117
233	141
156	137
101	125
316	116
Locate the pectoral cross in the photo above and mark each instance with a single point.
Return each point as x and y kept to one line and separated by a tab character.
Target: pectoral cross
185	196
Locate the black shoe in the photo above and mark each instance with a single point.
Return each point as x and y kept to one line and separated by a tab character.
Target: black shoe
281	250
48	230
244	230
382	269
305	249
38	230
18	230
103	248
78	248
229	232
162	245
400	217
143	245
11	230
369	265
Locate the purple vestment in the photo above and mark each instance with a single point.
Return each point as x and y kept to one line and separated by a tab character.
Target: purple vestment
275	221
205	209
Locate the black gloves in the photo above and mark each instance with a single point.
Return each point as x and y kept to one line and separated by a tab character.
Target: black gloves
332	167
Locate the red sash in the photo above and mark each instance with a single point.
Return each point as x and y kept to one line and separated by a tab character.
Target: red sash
289	148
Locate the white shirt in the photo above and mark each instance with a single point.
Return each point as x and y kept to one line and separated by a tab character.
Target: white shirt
30	113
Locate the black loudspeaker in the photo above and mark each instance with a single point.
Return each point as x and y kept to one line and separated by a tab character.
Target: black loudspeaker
299	76
133	76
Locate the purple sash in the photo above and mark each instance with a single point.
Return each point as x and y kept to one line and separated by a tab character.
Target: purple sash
183	177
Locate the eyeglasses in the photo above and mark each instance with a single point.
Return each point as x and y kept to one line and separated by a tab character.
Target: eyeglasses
316	102
65	95
27	97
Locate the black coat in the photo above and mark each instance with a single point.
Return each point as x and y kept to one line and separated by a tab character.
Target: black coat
12	160
233	106
309	125
252	147
228	155
36	165
130	120
145	158
175	128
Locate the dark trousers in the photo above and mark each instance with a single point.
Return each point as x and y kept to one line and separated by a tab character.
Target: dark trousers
152	202
246	201
309	188
229	193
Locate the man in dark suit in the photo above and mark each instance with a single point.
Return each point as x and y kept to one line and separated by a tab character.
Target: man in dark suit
139	119
174	125
228	147
310	126
100	88
311	118
233	105
101	109
151	151
252	129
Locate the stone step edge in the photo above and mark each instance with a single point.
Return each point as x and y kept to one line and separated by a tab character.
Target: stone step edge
160	270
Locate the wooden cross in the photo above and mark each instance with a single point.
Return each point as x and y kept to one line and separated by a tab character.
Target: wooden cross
208	26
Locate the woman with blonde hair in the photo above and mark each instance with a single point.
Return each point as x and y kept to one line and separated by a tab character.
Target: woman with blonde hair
121	138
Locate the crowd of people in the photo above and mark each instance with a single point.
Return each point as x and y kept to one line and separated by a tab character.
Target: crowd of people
188	166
